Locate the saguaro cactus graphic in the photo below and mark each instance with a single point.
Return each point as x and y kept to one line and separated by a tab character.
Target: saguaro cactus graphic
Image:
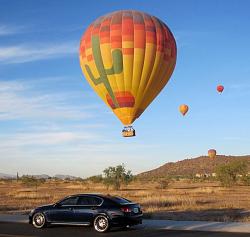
116	68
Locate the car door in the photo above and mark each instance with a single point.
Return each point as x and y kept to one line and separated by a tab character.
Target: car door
63	211
87	207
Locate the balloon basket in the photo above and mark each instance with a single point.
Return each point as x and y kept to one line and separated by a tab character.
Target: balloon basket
128	131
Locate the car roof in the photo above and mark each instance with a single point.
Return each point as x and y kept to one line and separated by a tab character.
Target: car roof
100	195
111	198
92	194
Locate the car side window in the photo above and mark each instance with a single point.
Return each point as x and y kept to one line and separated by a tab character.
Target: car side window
89	201
69	201
95	201
83	201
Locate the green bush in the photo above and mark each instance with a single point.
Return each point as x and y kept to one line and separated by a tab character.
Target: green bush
228	174
115	176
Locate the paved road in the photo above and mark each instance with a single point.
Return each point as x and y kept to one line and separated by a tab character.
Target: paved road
25	230
231	227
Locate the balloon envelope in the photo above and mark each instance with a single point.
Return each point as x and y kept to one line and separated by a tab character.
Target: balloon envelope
127	57
220	88
212	153
183	109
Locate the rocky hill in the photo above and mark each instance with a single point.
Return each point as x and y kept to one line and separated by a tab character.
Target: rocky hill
190	167
7	176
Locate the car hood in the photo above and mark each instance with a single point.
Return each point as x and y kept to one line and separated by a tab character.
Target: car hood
45	207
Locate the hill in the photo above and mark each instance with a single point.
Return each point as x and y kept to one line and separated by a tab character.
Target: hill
7	176
63	177
190	167
40	176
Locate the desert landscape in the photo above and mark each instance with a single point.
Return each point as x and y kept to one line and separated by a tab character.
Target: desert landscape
181	197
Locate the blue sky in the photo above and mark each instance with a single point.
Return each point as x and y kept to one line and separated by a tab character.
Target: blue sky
52	122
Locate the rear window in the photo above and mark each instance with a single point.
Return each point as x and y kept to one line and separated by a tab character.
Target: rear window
120	200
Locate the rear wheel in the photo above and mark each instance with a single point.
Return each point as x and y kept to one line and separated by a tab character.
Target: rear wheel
101	223
39	220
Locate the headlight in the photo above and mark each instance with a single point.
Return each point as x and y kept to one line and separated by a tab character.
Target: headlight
32	211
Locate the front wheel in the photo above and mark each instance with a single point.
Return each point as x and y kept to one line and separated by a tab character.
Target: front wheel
39	220
101	223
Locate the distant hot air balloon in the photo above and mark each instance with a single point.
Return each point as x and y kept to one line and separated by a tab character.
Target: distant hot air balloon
183	109
127	57
212	153
220	88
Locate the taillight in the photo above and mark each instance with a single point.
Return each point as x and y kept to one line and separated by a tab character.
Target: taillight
126	209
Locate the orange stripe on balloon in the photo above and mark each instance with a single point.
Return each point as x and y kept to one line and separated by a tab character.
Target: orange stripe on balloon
115	26
139	42
139	27
128	38
128	51
115	38
116	44
104	34
104	40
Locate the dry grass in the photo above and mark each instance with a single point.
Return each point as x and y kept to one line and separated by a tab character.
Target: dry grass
181	200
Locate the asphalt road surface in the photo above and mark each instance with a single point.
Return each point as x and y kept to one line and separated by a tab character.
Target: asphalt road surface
25	230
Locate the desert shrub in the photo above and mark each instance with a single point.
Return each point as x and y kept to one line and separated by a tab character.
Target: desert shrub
228	174
246	180
163	183
31	181
95	179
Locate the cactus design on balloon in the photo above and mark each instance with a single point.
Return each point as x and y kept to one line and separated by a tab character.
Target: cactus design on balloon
115	69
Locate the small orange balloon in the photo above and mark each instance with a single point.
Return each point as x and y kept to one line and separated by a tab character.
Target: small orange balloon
212	153
183	109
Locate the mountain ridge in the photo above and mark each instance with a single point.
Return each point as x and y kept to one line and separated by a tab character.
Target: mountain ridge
193	166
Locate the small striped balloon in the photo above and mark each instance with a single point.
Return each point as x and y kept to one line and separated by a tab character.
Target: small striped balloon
212	153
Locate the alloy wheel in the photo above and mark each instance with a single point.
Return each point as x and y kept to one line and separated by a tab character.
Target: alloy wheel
101	223
39	220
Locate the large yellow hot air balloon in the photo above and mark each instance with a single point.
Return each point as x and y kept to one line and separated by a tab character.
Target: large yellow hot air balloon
127	57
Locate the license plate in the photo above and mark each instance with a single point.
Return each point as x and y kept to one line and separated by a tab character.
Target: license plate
136	210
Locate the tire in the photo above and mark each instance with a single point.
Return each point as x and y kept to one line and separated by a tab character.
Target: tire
101	223
39	220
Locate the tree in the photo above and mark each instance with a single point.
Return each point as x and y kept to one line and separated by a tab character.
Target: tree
115	176
228	174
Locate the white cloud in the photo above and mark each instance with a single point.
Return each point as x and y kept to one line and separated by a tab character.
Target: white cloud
10	30
25	53
46	138
10	86
20	100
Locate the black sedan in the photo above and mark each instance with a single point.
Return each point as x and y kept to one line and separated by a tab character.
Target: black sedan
101	211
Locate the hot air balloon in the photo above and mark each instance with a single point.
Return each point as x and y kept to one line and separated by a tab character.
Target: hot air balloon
220	88
212	153
127	57
183	109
